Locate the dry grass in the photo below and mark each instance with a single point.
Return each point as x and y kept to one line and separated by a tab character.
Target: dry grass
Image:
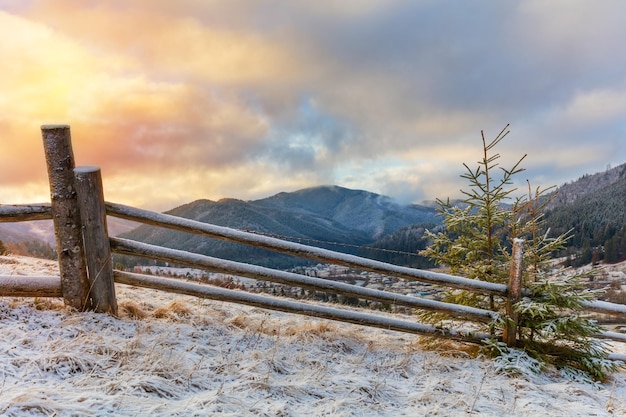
44	303
175	309
304	330
8	261
449	347
131	309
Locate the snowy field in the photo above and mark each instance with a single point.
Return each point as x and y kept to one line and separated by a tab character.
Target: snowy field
169	355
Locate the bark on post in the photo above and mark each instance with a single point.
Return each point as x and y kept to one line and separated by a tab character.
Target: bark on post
88	181
515	292
65	215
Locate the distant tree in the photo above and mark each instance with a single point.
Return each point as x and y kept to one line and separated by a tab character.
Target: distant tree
611	253
3	249
476	243
34	248
585	256
41	249
620	243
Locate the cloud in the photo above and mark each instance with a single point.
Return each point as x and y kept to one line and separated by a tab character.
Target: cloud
193	99
120	117
169	42
595	107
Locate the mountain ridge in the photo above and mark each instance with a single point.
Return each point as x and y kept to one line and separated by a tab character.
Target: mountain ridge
362	219
326	216
572	191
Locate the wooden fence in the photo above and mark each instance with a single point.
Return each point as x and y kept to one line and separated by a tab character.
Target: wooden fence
79	213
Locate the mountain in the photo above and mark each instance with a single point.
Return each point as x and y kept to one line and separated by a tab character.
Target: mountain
33	238
589	184
326	216
594	209
371	214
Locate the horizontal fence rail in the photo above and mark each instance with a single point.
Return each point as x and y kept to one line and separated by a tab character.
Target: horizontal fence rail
30	286
619	337
26	212
273	303
129	247
47	286
605	307
133	248
303	251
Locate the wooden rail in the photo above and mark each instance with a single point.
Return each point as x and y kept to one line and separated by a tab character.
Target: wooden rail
129	247
605	307
23	213
30	286
278	304
303	251
46	286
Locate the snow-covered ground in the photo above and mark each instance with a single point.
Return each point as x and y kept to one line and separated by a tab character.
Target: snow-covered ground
169	355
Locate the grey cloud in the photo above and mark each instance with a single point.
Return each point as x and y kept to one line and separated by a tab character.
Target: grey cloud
420	75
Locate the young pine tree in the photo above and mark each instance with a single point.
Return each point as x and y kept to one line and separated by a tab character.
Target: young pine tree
476	243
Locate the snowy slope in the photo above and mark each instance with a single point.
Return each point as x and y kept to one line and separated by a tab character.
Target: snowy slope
170	355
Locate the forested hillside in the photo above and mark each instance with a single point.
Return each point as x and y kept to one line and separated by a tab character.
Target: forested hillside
594	208
401	247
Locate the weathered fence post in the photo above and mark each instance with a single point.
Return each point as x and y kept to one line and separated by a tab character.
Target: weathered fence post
88	181
65	214
515	292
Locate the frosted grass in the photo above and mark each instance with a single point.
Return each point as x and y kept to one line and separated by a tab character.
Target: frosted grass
189	357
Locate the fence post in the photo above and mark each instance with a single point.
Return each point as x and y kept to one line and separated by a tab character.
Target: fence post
65	215
88	181
515	292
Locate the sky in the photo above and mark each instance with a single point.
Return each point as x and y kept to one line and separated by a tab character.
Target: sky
178	101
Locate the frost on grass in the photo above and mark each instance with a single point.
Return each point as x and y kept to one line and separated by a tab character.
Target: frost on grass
169	355
218	359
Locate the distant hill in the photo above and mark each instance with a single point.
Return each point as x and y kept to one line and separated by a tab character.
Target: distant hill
326	216
594	208
372	214
401	247
36	238
41	230
33	238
